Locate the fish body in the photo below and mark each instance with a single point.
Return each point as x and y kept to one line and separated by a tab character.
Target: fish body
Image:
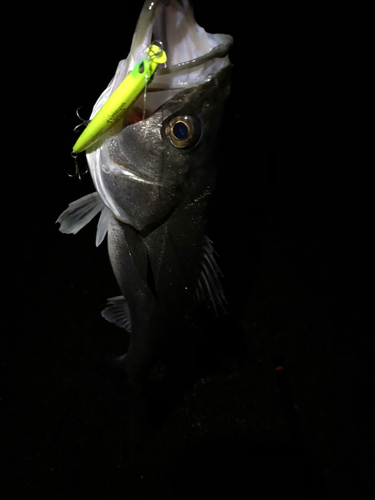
154	178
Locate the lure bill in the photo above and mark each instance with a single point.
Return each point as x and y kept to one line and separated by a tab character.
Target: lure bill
128	91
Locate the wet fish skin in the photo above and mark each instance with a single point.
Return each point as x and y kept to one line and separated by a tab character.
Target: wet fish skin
157	261
146	175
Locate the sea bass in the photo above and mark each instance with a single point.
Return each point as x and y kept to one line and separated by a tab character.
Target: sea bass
154	173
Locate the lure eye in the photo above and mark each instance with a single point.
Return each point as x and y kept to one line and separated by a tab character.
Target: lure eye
141	67
183	131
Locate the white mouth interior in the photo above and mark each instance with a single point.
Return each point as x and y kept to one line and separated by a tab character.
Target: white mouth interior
193	55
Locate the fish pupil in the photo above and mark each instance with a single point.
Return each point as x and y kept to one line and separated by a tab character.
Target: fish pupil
180	131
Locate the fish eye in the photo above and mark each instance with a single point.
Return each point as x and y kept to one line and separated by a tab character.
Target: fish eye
183	131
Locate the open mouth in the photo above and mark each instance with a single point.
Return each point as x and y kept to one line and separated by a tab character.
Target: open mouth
193	55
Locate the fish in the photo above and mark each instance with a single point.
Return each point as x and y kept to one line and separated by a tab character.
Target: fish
154	172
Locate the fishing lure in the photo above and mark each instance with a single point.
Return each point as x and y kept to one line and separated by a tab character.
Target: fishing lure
128	91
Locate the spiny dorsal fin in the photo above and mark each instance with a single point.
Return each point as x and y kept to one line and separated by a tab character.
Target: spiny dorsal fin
209	288
117	312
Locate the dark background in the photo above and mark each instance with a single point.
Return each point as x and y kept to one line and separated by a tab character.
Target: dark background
291	223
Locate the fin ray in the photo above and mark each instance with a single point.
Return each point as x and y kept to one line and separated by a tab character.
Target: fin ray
117	312
103	223
79	213
209	288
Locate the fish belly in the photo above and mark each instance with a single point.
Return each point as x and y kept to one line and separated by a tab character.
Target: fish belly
158	286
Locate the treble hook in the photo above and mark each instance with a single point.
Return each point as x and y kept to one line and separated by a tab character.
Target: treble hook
77	172
84	122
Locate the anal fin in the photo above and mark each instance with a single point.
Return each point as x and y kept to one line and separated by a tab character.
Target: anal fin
117	312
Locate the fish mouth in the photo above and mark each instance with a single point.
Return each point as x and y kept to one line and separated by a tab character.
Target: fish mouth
192	53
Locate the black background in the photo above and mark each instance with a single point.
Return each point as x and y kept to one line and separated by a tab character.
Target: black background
291	223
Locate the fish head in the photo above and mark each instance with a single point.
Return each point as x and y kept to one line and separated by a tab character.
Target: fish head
160	156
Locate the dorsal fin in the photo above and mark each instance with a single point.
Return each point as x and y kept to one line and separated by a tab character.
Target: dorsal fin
209	289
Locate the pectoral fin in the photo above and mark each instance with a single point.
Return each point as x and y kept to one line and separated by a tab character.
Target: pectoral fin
103	223
80	212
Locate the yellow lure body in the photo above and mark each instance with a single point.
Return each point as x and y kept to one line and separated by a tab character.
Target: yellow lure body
127	92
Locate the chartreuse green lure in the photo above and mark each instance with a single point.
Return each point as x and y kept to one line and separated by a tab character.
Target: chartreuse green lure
128	91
